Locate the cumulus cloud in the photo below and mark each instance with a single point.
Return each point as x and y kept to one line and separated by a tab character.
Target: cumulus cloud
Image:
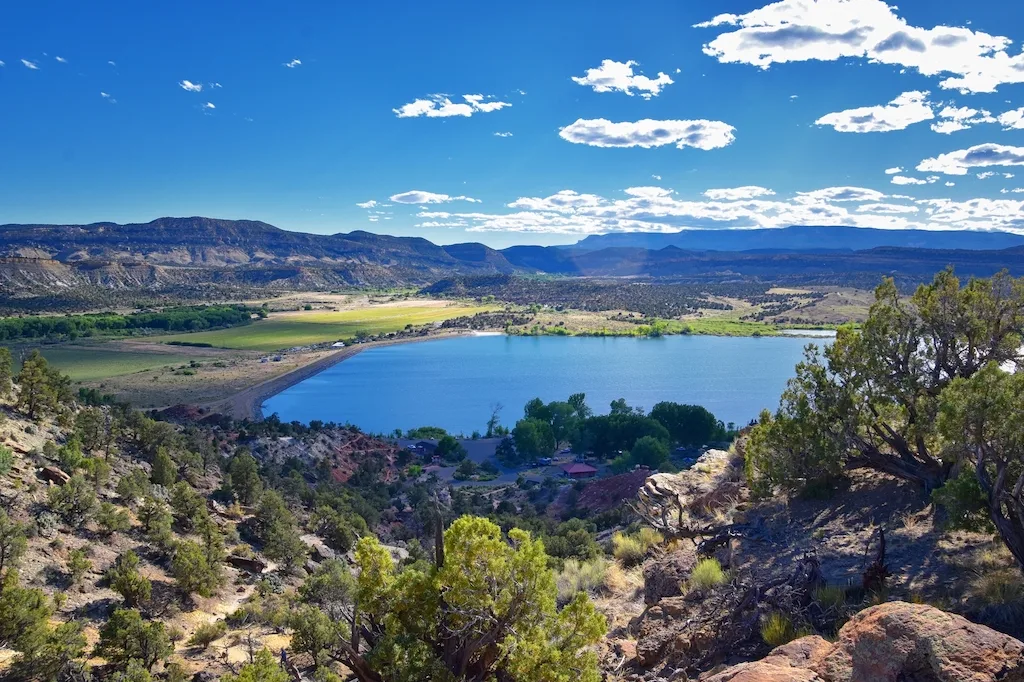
418	196
613	76
842	194
190	86
1012	119
503	134
950	183
209	105
960	118
887	208
986	175
29	64
828	30
907	109
368	204
440	106
61	60
293	63
904	180
737	193
981	155
658	209
701	134
894	169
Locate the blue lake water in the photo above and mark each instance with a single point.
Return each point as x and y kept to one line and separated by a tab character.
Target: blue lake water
453	383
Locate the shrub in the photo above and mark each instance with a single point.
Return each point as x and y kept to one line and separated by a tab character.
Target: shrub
112	519
6	459
207	633
581	576
74	501
126	580
778	629
707	574
78	565
631	549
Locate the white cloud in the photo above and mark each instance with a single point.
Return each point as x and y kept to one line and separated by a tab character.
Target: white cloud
656	177
368	204
293	63
902	179
209	105
29	64
440	106
61	60
190	86
503	134
829	30
2	63
1012	119
907	109
647	133
894	169
107	96
111	62
737	193
658	209
418	196
950	183
960	118
980	155
986	175
216	85
842	194
1008	175
613	76
887	208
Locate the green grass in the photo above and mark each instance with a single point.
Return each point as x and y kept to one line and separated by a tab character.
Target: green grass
95	364
706	574
304	328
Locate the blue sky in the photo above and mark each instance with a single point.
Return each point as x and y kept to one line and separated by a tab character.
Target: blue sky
769	114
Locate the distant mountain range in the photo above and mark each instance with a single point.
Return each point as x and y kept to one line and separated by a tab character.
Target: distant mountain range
171	252
805	239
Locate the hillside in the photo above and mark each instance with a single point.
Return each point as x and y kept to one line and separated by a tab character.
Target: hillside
203	257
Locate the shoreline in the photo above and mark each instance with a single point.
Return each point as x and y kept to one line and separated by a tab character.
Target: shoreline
248	403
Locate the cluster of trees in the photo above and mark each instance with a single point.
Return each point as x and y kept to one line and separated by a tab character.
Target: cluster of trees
920	392
183	319
626	434
483	608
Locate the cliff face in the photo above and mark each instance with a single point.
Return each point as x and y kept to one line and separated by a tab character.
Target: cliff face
175	251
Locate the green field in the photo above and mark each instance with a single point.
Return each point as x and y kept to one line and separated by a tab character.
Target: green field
94	364
287	330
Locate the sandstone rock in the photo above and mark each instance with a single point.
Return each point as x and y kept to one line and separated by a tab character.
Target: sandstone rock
900	641
892	642
664	576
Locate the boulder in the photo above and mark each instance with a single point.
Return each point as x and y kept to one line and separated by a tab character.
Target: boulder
664	576
900	641
892	642
54	475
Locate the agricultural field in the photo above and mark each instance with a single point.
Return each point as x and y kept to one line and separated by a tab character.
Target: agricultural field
303	328
102	361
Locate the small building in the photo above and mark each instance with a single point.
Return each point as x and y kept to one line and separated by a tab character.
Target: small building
579	470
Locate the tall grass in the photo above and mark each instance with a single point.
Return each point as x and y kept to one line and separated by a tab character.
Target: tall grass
778	629
631	549
707	574
581	576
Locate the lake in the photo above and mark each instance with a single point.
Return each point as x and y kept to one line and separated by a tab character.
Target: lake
453	383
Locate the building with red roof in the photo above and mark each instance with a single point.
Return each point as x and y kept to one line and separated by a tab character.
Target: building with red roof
579	470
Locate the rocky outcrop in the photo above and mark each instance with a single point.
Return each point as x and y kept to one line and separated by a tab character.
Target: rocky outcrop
892	642
666	575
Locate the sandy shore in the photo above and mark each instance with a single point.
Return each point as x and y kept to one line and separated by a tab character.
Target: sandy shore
248	403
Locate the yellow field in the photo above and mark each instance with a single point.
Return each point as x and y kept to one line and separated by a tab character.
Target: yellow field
302	328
